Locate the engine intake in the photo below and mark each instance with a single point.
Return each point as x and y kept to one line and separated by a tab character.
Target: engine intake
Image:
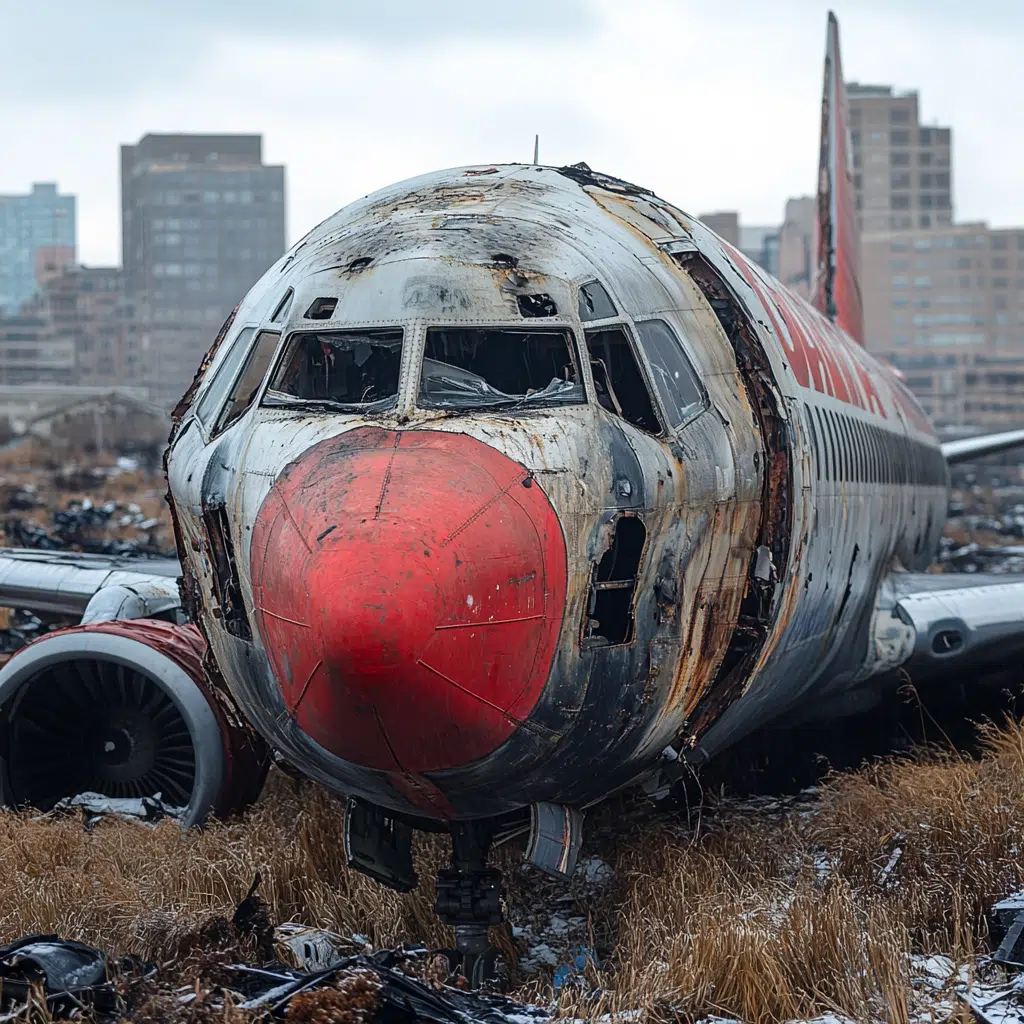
126	709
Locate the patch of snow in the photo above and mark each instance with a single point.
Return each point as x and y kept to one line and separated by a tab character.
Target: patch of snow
894	859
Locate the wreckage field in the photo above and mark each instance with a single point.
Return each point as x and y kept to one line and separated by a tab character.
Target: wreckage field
867	898
789	890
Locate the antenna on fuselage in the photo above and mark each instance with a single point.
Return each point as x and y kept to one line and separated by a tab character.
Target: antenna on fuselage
536	149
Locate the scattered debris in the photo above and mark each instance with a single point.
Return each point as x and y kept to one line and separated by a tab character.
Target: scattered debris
581	957
313	949
98	504
95	806
83	526
66	976
1008	930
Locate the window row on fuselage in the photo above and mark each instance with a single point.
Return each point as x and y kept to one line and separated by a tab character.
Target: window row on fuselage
848	449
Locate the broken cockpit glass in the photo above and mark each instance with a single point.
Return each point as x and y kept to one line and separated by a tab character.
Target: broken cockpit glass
355	369
476	367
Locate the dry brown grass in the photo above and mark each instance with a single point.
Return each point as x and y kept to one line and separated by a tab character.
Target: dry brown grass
774	919
760	917
135	889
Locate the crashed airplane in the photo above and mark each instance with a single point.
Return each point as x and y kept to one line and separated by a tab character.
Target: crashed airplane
506	488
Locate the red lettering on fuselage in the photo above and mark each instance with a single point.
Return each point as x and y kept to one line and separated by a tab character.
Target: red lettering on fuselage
821	357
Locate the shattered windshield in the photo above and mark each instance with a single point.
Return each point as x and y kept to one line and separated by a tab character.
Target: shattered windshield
356	369
473	367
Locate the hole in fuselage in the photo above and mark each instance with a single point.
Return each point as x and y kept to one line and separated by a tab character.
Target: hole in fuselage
537	305
610	619
946	641
321	309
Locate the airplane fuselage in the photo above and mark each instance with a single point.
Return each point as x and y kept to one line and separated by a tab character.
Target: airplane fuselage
504	480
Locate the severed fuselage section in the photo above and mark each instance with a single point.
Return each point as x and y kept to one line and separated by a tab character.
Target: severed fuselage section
505	489
463	535
497	491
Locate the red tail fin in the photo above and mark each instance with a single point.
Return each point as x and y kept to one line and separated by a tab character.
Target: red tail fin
836	286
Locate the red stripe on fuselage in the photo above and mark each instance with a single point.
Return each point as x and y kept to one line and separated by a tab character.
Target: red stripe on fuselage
820	355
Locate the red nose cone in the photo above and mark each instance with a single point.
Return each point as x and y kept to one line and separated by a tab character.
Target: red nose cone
409	589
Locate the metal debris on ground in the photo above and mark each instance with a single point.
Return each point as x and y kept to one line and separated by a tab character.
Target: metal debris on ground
314	949
83	526
389	986
66	977
94	807
1008	930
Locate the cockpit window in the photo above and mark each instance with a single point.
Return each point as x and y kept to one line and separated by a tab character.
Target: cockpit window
506	367
356	369
224	374
595	303
246	386
673	376
619	380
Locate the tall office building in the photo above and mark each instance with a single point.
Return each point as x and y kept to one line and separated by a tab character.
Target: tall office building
902	168
202	217
37	236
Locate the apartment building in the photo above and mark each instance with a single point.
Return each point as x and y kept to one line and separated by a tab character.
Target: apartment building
946	306
903	172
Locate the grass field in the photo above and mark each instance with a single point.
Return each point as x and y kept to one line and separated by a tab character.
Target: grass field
759	916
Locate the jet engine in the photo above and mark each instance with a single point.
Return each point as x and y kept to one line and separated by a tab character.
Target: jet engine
125	708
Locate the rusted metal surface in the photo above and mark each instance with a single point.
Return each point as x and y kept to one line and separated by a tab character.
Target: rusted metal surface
736	609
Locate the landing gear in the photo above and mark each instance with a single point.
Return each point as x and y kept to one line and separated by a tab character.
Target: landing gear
469	896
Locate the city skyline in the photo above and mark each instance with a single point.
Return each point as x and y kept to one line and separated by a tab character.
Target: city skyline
599	85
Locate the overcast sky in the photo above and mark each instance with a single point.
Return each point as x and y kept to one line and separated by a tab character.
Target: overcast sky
713	105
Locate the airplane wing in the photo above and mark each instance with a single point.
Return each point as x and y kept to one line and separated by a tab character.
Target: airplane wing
935	623
70	583
970	448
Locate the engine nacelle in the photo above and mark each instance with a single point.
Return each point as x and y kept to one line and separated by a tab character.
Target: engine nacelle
127	709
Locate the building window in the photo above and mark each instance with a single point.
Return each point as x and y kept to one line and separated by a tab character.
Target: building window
899	138
925	220
900	180
924	159
899	115
998	242
899	202
901	159
925	137
899	282
922	282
